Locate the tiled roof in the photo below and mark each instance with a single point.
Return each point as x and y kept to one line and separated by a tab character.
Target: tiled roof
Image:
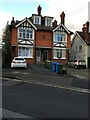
85	36
44	28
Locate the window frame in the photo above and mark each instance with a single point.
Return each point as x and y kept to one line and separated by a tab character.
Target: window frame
24	34
58	35
59	54
37	20
48	21
80	49
24	52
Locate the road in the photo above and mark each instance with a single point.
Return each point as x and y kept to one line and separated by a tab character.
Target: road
37	101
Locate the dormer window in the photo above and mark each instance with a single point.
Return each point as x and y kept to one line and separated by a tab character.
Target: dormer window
37	20
48	21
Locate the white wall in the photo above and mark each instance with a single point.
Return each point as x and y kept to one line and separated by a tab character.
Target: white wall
78	54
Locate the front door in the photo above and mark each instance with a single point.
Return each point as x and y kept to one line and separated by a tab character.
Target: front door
45	55
38	56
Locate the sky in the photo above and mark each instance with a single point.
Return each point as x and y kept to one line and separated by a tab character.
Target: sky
76	11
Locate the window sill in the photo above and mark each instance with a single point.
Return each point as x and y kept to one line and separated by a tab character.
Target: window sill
60	58
25	57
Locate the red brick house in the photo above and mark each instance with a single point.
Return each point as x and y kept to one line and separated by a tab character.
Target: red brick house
38	38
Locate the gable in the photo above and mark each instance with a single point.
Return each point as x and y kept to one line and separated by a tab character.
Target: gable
61	28
25	23
77	38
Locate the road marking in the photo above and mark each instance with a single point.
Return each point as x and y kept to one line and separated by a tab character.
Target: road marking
82	90
11	114
79	76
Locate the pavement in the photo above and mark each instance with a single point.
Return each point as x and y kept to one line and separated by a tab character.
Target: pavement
38	74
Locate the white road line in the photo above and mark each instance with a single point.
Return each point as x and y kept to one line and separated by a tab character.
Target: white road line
82	90
11	114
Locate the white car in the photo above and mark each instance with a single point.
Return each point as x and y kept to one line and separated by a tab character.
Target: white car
77	63
19	62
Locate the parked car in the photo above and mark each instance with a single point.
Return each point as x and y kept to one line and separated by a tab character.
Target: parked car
19	62
77	63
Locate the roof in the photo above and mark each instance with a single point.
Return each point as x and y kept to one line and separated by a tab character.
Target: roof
85	36
26	19
44	28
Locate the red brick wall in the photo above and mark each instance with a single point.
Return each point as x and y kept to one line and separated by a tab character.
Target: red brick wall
68	41
30	60
44	39
14	37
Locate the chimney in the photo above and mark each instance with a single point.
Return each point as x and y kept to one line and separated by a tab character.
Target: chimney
62	18
86	27
87	24
39	10
55	23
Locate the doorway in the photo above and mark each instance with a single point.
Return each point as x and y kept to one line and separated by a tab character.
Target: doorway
38	56
45	55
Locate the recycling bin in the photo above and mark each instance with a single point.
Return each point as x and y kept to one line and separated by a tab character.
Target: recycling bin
46	63
59	68
49	64
53	66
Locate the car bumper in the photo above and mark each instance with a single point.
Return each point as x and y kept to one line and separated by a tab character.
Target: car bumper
24	65
81	66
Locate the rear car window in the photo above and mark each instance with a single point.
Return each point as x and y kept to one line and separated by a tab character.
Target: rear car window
19	58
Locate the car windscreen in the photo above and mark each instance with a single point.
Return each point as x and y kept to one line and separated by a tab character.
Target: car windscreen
19	58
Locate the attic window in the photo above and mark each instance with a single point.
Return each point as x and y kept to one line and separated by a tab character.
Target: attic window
37	20
48	21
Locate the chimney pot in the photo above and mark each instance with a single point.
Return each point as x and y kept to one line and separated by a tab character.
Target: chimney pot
12	21
39	10
54	23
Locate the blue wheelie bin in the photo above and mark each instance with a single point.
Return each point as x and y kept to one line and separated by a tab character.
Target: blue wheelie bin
57	67
53	66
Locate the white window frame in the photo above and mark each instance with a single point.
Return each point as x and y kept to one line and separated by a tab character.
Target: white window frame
37	20
80	49
25	33
22	52
58	35
59	53
48	21
76	48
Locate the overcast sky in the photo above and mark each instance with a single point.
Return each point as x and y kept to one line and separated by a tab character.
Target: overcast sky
76	11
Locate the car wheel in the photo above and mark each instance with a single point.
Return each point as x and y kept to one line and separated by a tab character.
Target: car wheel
75	66
84	67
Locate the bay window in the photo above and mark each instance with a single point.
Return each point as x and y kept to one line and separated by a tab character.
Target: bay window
25	52
59	53
26	33
59	37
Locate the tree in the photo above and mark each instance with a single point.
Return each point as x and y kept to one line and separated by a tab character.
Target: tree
6	52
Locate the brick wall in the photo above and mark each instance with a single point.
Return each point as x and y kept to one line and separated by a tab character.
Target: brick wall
68	41
14	37
44	39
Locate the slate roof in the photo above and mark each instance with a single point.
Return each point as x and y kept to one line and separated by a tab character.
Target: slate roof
44	28
85	36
